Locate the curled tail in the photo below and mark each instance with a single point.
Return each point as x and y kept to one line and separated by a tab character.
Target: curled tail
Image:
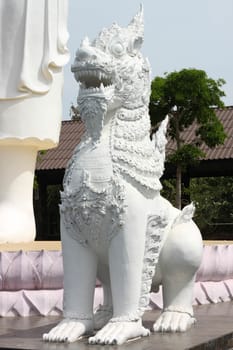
185	215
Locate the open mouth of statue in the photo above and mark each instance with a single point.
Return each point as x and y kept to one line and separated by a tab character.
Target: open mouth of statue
93	81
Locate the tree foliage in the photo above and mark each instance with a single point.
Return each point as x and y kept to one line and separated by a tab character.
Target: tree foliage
213	197
190	98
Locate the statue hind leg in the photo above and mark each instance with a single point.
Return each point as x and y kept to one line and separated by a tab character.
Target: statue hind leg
179	260
80	264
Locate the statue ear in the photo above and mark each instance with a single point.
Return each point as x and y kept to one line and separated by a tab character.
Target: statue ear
138	18
137	23
136	28
137	44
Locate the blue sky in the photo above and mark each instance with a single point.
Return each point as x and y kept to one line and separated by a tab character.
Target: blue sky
178	34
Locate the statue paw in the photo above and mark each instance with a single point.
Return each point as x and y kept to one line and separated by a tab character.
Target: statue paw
116	333
174	320
68	330
102	316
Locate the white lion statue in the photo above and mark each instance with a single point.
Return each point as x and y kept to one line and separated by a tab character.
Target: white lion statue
115	226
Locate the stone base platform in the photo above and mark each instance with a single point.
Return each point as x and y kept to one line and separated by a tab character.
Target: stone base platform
214	330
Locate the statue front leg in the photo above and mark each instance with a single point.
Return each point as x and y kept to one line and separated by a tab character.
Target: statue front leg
80	265
179	260
126	253
104	312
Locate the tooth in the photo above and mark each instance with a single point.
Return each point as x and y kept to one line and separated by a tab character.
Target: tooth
102	87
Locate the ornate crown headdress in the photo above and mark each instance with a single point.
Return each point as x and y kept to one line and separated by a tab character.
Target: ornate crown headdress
135	29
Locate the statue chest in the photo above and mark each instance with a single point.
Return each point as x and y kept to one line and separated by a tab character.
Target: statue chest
93	161
93	201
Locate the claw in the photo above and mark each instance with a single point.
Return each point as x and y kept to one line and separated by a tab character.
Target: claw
173	322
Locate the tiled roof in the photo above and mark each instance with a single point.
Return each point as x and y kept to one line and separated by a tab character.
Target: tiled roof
57	158
72	131
224	151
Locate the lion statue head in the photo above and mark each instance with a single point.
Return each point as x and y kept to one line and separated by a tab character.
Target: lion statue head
112	66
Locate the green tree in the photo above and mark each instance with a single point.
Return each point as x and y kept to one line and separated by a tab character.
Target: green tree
213	197
189	97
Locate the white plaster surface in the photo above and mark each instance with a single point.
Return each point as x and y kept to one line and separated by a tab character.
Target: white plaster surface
114	223
33	52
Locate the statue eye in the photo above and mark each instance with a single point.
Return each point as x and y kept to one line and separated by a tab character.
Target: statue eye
117	48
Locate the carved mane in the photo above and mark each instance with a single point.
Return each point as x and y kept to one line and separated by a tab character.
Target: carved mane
133	153
111	69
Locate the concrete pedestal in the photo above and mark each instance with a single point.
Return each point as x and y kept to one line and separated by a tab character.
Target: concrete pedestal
214	330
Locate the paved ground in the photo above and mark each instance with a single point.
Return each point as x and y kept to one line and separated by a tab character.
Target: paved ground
214	330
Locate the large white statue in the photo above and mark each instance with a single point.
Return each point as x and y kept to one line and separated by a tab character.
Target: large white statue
32	54
114	223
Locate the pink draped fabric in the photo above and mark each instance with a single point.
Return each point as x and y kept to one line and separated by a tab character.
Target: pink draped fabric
31	282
